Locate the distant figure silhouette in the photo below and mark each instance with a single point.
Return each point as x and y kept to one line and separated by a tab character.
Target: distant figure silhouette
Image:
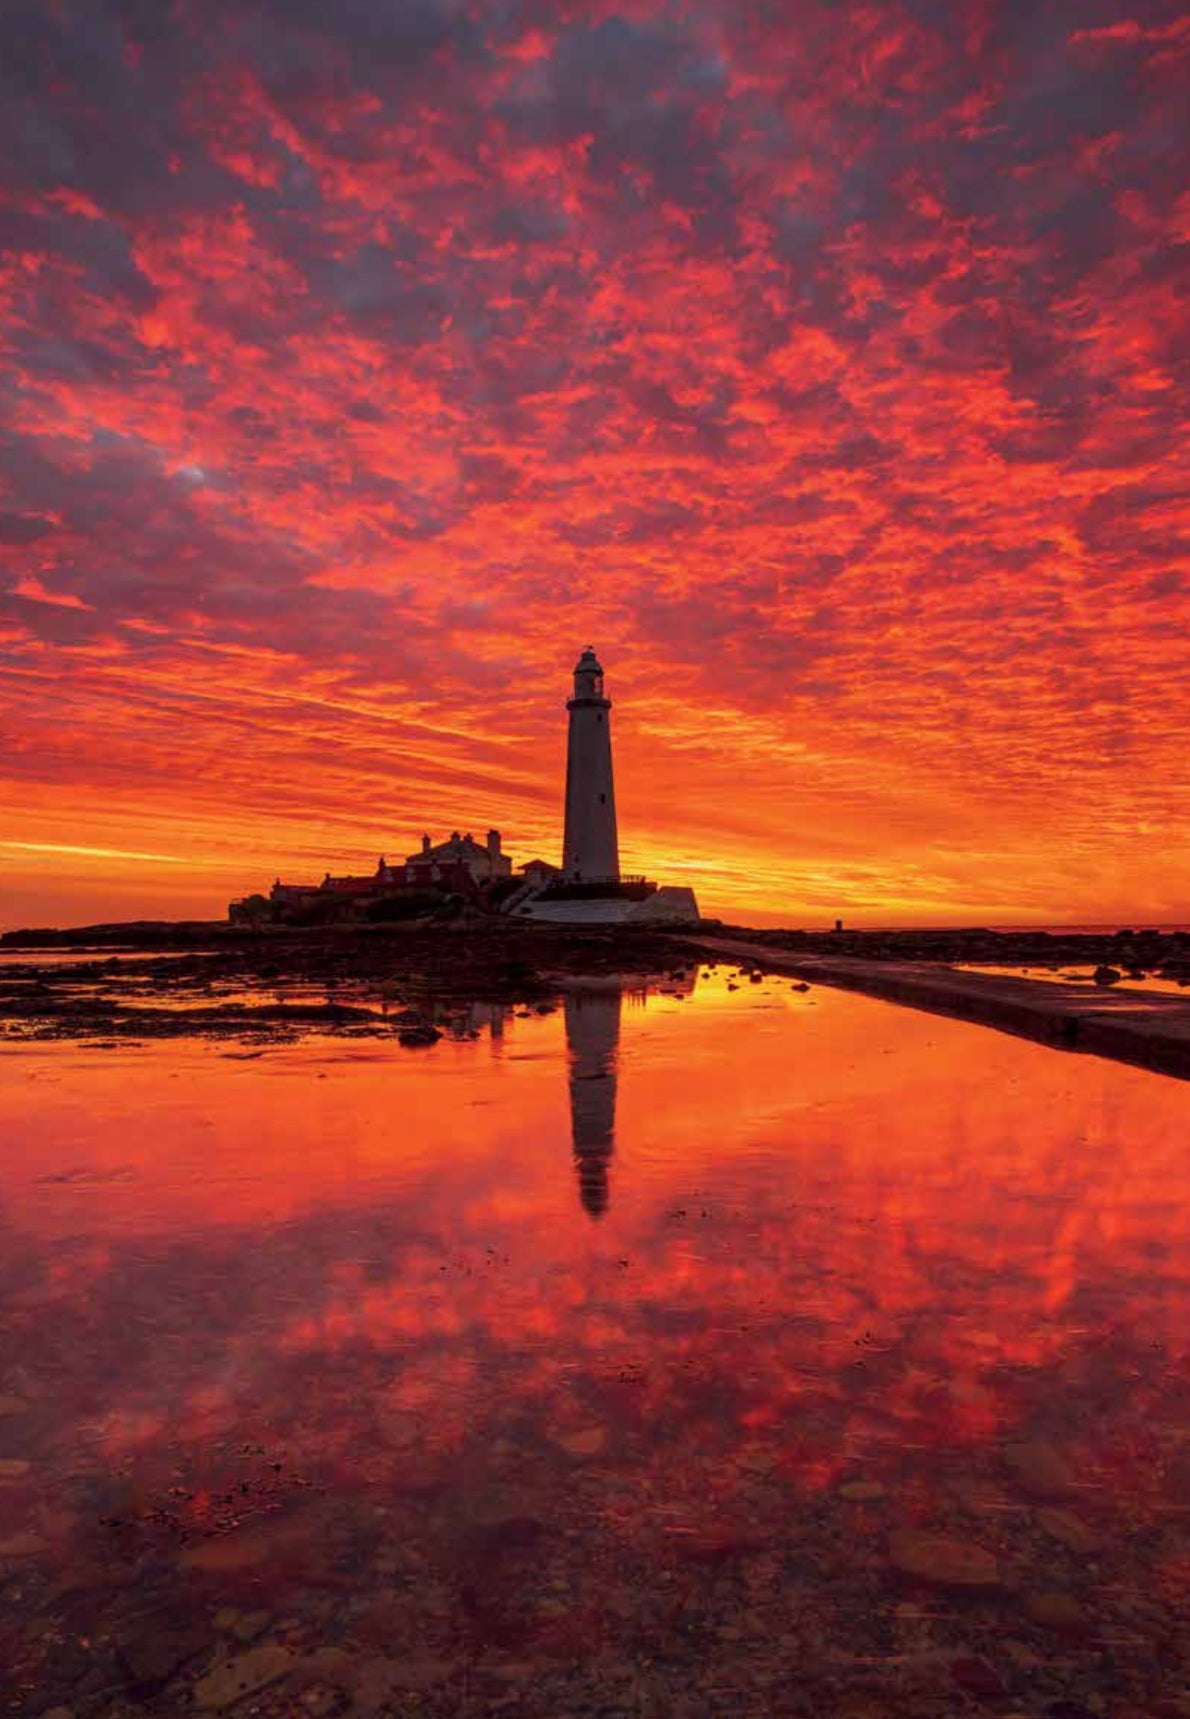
593	1040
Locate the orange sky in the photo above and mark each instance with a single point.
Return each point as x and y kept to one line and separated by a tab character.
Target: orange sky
823	365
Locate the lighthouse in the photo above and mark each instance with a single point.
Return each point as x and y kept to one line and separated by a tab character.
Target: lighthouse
591	850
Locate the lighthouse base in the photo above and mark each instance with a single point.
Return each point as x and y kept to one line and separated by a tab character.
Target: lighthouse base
659	907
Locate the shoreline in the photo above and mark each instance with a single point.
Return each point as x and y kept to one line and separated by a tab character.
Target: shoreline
415	982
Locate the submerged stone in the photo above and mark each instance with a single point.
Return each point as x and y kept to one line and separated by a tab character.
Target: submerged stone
1040	1468
586	1441
862	1491
232	1679
942	1561
23	1546
1060	1613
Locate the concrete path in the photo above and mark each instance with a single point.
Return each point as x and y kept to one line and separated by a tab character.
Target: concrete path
1149	1028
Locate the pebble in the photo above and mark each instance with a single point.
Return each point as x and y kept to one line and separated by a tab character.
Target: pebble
249	1625
976	1677
10	1405
13	1468
323	1699
1058	1612
862	1491
587	1441
944	1562
1070	1531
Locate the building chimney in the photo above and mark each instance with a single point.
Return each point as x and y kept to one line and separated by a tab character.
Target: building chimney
494	843
425	844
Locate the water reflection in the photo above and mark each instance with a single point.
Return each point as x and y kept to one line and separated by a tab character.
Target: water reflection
592	1046
315	1356
592	1015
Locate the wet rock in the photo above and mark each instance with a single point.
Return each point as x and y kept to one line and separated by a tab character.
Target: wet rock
1040	1469
1107	975
1058	1612
412	1037
1070	1531
230	1680
10	1405
12	1468
943	1562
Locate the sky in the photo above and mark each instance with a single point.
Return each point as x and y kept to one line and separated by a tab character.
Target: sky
824	365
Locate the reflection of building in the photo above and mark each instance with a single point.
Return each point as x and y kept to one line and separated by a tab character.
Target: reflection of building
592	1041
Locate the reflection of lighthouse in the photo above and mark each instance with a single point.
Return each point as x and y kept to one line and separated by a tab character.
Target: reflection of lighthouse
593	1039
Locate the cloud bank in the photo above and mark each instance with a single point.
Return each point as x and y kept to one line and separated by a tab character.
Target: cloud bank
825	364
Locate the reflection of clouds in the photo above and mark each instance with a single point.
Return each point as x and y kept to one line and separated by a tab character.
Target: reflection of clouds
823	1231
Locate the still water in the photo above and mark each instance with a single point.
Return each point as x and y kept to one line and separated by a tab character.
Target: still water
706	1352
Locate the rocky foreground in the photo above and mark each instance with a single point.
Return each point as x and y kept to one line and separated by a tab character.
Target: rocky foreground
415	982
169	980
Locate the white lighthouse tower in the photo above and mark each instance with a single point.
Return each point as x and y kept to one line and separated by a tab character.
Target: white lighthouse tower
591	849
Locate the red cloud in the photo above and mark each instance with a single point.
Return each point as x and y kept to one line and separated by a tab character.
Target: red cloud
824	367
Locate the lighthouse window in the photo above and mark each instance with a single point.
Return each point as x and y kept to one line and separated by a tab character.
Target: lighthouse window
603	799
599	716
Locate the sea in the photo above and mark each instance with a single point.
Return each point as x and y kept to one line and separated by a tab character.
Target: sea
713	1347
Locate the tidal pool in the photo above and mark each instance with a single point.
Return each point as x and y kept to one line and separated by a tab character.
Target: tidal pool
703	1351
